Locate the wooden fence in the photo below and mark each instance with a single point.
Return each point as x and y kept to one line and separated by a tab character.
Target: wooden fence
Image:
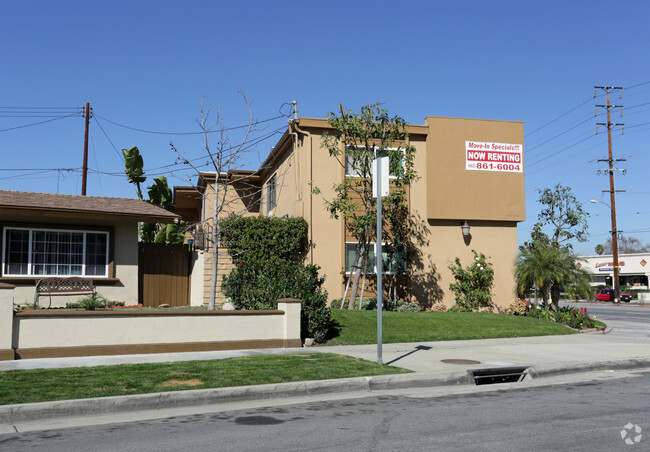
164	274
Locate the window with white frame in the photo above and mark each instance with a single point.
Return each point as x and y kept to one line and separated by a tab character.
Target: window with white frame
353	166
398	261
54	252
270	194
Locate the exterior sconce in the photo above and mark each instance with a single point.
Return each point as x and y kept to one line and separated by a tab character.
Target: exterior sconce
465	228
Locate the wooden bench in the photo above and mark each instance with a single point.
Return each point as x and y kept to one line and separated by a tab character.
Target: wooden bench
63	286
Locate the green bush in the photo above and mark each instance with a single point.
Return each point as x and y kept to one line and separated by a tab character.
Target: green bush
405	306
368	303
264	238
90	303
574	318
473	284
259	283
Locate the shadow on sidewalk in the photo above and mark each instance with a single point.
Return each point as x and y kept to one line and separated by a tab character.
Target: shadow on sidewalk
417	348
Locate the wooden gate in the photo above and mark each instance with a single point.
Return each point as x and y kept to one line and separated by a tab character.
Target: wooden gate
164	274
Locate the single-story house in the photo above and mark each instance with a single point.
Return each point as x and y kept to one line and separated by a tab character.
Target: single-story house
45	234
469	196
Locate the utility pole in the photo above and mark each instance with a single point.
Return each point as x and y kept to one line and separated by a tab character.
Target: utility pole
84	175
612	191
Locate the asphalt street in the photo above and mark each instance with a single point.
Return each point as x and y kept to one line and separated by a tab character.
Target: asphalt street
625	319
589	413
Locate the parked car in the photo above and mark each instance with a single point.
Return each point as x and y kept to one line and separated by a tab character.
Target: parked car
608	295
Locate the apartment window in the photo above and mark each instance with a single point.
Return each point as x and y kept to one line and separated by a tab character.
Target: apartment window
270	194
353	167
398	261
50	252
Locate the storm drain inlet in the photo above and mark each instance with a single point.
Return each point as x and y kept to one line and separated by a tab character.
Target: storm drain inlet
498	375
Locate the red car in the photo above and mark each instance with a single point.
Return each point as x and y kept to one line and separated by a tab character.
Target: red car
608	295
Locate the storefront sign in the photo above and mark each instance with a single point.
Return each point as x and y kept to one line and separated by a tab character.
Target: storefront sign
504	157
608	266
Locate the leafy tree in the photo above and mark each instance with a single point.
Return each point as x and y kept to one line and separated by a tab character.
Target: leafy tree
159	194
134	168
357	139
473	283
547	267
564	214
626	245
600	249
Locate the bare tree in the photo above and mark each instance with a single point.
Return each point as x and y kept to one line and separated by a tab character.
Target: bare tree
226	156
626	245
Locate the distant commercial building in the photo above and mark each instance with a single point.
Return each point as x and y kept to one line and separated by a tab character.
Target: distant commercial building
634	269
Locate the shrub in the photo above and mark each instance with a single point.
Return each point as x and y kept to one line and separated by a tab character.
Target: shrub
259	283
405	306
439	307
473	283
90	302
265	238
517	307
574	318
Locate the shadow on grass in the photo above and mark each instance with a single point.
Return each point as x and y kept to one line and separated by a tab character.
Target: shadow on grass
333	332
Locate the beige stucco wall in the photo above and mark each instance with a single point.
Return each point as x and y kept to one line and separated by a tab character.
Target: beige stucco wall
454	192
40	330
125	257
437	239
197	278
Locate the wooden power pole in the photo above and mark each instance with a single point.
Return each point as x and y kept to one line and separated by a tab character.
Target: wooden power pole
84	175
612	191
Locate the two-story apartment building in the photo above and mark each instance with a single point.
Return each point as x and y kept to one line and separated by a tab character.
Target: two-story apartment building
470	173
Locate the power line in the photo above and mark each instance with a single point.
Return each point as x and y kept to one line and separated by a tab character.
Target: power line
189	133
38	123
106	135
560	117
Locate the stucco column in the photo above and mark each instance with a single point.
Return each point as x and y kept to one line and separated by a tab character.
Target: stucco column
291	308
7	321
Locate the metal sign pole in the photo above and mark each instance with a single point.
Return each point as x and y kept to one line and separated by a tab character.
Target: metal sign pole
378	256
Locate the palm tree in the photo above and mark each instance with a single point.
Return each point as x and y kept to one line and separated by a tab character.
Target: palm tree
546	267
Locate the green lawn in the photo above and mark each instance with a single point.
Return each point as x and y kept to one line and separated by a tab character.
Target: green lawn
360	327
40	385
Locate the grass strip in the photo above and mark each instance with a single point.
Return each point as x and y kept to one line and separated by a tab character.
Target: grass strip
42	385
359	327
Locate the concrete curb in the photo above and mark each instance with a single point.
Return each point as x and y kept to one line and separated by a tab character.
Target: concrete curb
28	412
10	414
627	364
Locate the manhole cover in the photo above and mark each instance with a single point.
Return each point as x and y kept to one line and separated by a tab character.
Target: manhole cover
460	361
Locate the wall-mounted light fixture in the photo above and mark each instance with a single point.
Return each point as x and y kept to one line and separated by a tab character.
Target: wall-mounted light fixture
465	228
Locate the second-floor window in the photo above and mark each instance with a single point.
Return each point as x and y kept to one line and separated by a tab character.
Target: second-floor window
354	167
270	194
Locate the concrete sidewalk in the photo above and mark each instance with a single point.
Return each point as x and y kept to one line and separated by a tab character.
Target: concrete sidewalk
545	356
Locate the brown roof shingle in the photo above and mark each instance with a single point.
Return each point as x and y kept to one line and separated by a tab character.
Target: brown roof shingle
134	209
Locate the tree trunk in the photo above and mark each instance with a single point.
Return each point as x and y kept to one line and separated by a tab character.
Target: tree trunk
215	250
357	274
555	296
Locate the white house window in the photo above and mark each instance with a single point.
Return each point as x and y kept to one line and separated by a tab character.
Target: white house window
270	194
50	252
371	267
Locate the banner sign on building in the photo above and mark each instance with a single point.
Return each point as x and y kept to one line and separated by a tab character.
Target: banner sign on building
481	156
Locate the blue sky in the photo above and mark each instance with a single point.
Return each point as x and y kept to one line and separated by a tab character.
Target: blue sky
146	65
